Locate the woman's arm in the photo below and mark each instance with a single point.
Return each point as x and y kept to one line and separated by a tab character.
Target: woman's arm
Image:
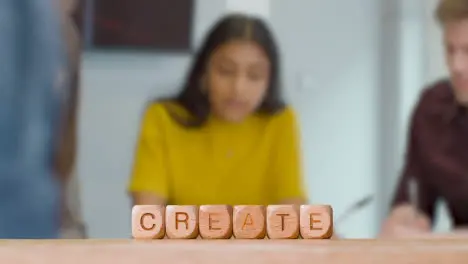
294	201
147	198
148	182
286	162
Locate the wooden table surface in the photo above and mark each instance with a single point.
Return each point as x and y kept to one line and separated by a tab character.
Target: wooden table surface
234	251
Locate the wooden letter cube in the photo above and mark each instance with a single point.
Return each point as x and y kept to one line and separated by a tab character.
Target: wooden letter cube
249	222
316	221
215	221
148	221
283	221
182	221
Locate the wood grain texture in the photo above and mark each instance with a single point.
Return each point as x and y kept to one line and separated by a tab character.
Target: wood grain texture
235	251
316	221
215	221
148	221
283	221
182	221
249	222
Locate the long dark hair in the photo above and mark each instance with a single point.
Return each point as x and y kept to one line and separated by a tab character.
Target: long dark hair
230	27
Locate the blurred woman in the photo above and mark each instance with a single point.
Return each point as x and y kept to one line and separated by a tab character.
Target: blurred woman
228	137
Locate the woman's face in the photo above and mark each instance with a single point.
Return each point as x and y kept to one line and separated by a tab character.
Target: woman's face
237	79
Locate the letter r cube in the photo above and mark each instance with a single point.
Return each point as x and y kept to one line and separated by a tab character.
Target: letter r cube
182	221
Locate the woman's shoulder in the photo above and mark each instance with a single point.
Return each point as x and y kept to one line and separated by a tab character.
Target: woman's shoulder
163	109
285	116
282	123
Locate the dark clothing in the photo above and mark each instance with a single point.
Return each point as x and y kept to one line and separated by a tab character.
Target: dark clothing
437	153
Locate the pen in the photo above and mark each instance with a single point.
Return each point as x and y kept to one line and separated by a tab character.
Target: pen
358	205
413	195
355	207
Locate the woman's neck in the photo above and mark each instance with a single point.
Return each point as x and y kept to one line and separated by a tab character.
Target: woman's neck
217	120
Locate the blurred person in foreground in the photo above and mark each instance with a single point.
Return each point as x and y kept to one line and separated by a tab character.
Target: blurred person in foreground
31	97
228	137
71	222
437	153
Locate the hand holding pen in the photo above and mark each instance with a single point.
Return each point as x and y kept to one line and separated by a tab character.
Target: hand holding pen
407	221
413	197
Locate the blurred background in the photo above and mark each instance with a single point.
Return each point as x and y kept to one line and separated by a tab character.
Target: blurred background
352	69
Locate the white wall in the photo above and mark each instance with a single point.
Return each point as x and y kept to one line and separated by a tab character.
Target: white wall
435	62
331	60
114	91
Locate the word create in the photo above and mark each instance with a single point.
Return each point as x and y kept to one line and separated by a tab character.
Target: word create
225	222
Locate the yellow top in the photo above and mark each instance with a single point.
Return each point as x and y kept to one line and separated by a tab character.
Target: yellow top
253	162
